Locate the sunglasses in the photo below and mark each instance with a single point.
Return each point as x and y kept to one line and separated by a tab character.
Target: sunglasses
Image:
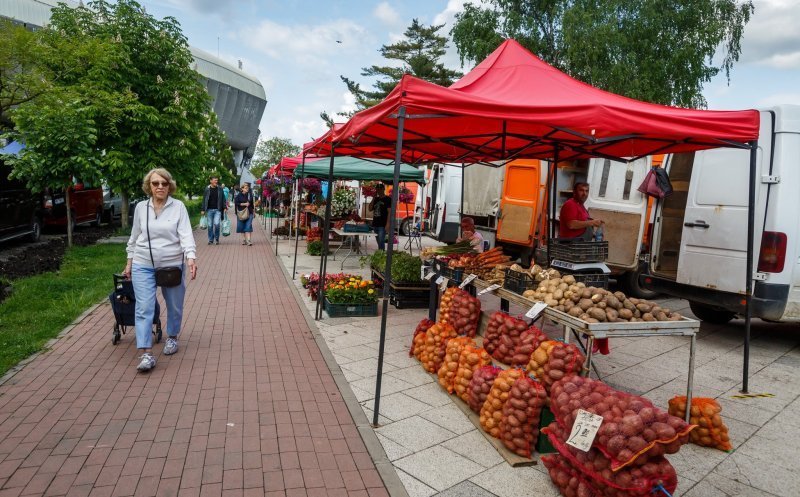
157	184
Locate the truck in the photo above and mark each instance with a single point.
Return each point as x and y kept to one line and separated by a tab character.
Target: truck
699	247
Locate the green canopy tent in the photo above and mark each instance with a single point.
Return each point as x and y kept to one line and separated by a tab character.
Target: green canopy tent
349	168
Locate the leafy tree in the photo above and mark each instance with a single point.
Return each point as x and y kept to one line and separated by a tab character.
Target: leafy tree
270	152
21	76
417	54
169	123
653	50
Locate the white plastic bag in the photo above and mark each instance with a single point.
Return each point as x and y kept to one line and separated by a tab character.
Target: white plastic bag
203	222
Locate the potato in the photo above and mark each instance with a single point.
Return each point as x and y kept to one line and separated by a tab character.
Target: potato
575	311
620	296
601	305
648	317
660	316
558	294
611	315
563	286
628	305
551	302
596	298
587	293
591	320
528	294
598	314
625	314
675	317
580	284
614	302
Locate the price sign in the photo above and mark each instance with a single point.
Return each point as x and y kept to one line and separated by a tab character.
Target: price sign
443	284
440	279
537	309
489	288
422	272
584	430
429	276
467	280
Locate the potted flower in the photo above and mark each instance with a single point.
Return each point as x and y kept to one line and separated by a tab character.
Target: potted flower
343	202
351	296
369	188
405	196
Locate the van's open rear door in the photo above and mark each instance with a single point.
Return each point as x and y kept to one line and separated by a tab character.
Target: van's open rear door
518	206
614	198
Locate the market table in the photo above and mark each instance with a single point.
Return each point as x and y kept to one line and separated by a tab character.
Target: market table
352	242
592	331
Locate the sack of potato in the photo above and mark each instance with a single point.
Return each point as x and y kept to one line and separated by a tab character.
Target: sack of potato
539	358
421	328
492	410
463	312
563	360
633	430
432	349
480	385
630	480
503	335
568	480
445	301
519	425
529	340
471	359
449	367
705	413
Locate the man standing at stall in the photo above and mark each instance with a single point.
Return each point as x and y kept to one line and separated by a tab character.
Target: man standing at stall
380	205
574	220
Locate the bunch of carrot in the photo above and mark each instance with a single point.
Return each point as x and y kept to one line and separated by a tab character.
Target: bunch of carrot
486	261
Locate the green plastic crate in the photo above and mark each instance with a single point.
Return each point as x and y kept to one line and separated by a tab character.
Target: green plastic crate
349	310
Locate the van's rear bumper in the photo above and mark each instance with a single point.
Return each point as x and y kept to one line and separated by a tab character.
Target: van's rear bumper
769	299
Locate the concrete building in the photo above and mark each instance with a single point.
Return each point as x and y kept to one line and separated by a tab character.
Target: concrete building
237	97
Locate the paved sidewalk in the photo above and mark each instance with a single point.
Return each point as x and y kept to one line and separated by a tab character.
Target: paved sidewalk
248	406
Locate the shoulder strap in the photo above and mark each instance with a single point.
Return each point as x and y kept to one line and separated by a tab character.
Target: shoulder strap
147	224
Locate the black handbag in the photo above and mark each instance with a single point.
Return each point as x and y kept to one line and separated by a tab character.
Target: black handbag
165	276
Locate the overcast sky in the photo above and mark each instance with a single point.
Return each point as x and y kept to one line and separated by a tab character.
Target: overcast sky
298	49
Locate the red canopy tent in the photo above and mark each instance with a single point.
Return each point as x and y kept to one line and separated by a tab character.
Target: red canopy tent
513	105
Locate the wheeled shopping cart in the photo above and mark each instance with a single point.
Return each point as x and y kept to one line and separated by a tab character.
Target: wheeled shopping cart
123	303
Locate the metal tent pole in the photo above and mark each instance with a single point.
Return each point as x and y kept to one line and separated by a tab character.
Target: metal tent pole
387	273
751	223
461	206
297	231
323	261
554	193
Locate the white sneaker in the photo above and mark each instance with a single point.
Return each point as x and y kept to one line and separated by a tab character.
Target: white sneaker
147	363
171	346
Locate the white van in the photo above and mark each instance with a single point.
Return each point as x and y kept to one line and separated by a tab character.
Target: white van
444	202
700	232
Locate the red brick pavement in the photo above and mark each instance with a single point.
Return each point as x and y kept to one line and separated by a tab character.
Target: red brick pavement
247	407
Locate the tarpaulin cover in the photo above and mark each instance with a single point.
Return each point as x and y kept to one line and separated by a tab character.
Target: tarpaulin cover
514	105
351	168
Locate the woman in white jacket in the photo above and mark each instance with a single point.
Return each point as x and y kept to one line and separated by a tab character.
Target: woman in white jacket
161	225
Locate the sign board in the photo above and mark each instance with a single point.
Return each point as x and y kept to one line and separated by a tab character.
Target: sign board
537	309
584	430
467	280
489	288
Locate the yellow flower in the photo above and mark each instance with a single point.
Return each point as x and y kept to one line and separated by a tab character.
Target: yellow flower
370	291
341	282
363	284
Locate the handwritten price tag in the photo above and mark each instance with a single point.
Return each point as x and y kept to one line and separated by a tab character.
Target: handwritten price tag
537	309
443	284
429	276
440	279
584	430
489	288
467	280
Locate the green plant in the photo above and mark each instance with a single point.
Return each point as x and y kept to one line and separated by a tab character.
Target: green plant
353	290
314	248
406	268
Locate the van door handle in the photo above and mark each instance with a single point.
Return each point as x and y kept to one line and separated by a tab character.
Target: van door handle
697	224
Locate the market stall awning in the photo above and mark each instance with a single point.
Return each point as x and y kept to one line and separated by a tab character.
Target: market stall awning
514	105
352	168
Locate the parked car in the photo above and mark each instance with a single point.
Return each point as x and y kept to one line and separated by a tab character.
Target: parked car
20	211
86	204
112	204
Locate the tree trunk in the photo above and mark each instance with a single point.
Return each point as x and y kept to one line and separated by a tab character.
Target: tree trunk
123	218
68	205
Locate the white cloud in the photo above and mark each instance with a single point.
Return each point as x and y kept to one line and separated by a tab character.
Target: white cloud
771	38
386	14
306	44
778	99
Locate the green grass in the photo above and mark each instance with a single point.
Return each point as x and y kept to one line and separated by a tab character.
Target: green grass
43	305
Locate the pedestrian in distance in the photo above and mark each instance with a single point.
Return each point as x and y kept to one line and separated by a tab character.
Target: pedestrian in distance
161	240
245	205
214	205
380	205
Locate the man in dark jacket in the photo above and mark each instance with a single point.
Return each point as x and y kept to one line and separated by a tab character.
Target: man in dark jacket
214	205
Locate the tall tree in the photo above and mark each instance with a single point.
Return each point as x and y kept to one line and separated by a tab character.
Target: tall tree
653	50
418	54
270	152
169	123
21	76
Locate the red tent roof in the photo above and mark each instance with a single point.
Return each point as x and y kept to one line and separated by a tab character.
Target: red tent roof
513	105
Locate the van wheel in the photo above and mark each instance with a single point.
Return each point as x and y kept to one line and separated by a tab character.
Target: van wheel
630	281
711	314
405	227
36	230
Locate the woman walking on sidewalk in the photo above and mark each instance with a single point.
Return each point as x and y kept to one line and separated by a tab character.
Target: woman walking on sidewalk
245	206
161	238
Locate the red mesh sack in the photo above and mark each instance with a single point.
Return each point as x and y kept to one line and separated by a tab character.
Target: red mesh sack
540	357
492	410
631	480
463	313
705	413
449	367
633	430
503	336
569	481
471	359
519	426
480	385
421	328
432	349
529	340
564	359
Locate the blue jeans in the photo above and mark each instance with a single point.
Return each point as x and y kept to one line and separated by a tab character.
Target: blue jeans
144	286
214	217
380	231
